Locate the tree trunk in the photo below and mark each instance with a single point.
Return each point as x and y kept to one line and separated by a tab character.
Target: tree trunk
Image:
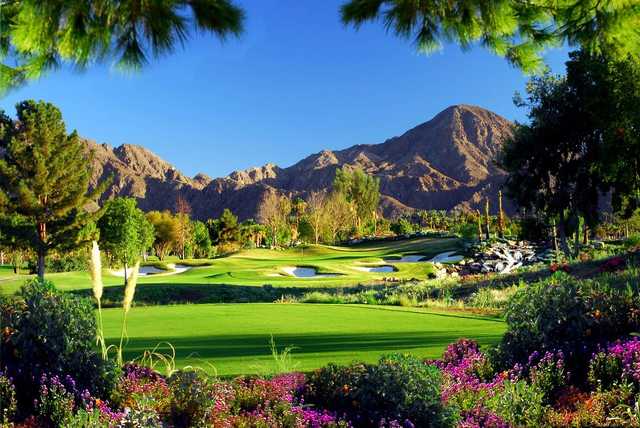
500	216
555	238
564	244
585	238
126	278
42	249
487	220
42	253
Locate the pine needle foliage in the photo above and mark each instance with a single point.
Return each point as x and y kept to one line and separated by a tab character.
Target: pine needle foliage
44	180
519	30
40	35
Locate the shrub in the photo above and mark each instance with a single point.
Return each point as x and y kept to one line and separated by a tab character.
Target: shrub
600	409
466	230
519	403
619	364
532	229
333	386
191	398
8	404
52	333
399	388
568	315
141	389
605	371
548	374
55	404
480	416
64	263
402	227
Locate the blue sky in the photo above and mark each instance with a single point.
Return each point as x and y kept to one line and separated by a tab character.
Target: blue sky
295	83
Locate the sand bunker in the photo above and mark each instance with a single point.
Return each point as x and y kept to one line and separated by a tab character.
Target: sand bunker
385	268
151	270
306	272
413	258
447	257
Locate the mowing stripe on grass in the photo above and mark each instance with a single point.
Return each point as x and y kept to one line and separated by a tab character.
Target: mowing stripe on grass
234	338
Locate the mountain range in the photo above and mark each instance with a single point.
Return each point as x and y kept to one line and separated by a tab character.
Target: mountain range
445	163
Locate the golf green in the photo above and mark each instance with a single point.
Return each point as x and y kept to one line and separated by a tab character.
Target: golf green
337	266
233	339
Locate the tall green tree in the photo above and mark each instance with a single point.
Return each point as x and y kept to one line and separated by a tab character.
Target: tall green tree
125	232
44	179
518	30
166	228
228	227
201	240
580	143
361	191
40	35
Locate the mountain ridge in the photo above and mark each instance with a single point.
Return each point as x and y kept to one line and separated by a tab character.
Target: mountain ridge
444	163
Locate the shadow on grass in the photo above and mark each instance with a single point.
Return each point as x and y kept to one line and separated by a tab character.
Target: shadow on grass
163	294
312	344
431	313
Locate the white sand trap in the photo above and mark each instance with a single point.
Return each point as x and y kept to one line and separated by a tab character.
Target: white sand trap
305	272
151	270
447	257
414	258
375	268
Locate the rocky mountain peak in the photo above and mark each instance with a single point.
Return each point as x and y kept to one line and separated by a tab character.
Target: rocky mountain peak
446	162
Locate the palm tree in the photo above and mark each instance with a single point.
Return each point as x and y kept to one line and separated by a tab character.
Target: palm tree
40	35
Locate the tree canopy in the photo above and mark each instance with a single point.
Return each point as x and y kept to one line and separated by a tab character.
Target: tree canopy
361	191
166	232
125	232
581	141
519	30
40	35
44	180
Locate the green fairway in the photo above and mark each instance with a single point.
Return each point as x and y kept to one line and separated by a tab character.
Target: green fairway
258	267
234	338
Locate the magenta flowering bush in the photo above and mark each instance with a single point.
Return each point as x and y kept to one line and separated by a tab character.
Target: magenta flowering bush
468	376
628	353
618	363
481	417
140	388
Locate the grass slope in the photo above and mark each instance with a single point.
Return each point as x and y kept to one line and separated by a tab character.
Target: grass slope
256	267
234	338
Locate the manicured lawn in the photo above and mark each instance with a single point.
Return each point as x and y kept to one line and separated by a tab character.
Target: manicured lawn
234	338
260	266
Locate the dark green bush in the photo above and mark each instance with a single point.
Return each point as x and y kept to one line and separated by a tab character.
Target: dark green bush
605	371
568	315
402	227
52	333
531	229
399	388
65	263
